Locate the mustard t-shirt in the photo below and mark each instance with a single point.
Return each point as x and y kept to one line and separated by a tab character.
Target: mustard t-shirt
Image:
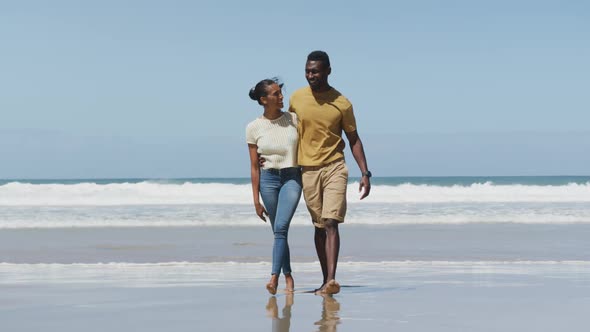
322	117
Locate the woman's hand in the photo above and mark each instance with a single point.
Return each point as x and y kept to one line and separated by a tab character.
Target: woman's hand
260	211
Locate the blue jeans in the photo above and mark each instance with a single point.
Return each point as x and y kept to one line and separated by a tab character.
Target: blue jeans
280	191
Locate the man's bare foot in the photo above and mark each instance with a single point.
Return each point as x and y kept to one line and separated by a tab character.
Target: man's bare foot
290	283
332	287
318	290
271	286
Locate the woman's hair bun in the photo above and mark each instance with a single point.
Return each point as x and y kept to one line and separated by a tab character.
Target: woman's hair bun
259	90
252	94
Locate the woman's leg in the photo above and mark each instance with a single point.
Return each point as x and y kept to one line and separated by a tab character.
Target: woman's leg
288	200
270	186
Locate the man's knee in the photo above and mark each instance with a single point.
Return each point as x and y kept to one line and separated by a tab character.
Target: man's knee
319	231
331	225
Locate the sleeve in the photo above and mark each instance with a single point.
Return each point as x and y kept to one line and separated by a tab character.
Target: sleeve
348	120
291	108
250	135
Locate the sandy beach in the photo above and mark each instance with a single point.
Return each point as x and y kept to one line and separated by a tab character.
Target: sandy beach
129	139
495	277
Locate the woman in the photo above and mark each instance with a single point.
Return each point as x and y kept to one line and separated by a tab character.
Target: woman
274	137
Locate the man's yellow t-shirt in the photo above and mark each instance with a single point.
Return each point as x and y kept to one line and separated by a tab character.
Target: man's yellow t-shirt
322	118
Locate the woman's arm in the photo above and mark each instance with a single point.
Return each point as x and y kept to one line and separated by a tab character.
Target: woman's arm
255	178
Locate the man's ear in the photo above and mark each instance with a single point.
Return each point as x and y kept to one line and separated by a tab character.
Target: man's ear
329	70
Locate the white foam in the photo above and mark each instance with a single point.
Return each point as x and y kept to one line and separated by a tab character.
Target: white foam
304	266
219	273
142	193
480	192
300	221
244	215
150	193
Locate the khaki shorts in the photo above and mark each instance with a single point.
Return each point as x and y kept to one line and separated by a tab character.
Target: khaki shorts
324	190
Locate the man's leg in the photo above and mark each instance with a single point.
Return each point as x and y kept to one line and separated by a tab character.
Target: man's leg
328	245
332	248
334	211
313	194
320	248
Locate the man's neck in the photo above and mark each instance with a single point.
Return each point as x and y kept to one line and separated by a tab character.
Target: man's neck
325	88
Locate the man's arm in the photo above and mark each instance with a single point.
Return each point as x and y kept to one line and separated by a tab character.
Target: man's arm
358	152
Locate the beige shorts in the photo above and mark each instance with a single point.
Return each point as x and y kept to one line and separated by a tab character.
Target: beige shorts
324	190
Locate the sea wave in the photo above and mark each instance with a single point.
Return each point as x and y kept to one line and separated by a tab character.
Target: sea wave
243	215
152	193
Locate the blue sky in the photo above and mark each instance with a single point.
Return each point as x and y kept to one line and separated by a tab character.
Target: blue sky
159	88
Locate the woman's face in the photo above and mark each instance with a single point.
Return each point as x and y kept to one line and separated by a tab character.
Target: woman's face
274	97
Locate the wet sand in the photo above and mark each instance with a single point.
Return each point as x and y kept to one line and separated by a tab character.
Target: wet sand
408	296
496	277
479	242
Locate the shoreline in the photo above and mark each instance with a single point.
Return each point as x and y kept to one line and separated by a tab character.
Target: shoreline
416	297
467	242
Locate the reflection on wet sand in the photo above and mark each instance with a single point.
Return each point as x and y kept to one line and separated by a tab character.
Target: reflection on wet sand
330	318
272	310
328	323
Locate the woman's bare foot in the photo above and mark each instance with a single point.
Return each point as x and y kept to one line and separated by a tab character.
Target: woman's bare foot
290	283
271	286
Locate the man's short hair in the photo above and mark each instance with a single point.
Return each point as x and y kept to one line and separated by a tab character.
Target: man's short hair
319	56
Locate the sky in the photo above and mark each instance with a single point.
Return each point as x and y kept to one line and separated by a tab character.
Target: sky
158	89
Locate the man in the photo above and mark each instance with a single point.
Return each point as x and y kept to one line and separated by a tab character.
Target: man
323	113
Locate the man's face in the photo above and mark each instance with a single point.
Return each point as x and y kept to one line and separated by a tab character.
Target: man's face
316	74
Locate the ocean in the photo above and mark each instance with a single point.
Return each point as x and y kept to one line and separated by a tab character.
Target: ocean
223	202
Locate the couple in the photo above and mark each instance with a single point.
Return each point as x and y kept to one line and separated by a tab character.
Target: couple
303	150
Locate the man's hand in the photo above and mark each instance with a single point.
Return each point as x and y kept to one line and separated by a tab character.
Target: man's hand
260	211
261	161
364	187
